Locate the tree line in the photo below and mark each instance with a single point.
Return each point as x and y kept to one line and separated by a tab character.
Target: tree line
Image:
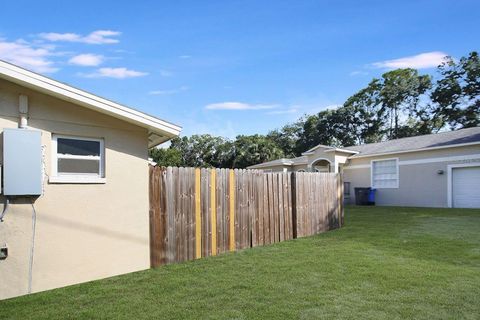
401	103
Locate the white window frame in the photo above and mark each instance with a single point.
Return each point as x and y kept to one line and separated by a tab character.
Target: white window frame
77	177
396	186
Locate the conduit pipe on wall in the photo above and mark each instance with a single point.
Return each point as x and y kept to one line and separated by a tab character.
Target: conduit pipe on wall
23	111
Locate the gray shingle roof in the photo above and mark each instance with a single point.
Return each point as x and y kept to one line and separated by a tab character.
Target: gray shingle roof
280	162
442	139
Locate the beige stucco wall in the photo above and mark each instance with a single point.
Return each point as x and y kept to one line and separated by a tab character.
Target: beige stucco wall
336	158
419	183
320	153
83	231
299	167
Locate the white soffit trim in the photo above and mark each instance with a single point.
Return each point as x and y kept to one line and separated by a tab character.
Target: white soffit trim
65	92
341	150
423	161
415	150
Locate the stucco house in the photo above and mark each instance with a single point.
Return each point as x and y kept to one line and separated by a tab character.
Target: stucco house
74	184
435	170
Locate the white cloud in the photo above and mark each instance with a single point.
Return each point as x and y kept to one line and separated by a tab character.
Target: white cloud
419	61
168	92
26	55
87	59
117	73
95	37
53	36
238	106
185	56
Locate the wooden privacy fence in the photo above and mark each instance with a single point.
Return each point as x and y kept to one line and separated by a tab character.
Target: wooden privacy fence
196	212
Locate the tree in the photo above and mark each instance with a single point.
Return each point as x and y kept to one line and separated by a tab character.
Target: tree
368	120
287	137
309	134
254	149
200	150
166	157
400	92
457	93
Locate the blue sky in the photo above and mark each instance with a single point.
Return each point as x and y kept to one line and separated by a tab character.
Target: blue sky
232	67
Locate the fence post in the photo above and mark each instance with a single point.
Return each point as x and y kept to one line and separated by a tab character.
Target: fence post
294	204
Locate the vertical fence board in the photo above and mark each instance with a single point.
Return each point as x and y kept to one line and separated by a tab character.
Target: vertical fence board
213	210
170	216
245	216
266	217
281	213
231	205
198	212
260	201
192	232
205	209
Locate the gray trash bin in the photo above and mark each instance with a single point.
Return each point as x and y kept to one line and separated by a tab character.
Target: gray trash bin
361	196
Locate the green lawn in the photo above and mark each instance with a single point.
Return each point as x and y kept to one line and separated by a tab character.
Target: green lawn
386	263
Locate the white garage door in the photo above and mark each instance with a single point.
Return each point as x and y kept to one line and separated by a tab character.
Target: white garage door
466	187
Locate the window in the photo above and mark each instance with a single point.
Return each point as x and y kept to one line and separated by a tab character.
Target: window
77	160
385	173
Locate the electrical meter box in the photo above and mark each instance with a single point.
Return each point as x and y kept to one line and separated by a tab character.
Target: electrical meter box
22	162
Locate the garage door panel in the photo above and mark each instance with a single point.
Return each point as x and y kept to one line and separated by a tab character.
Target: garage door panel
466	187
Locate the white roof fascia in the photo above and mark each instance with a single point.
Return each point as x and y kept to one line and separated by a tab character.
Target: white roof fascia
341	150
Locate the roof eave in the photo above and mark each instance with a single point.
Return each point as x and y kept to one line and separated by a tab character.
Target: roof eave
65	92
311	150
359	156
341	150
271	164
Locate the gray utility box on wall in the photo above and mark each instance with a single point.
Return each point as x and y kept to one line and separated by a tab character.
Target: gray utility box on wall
22	162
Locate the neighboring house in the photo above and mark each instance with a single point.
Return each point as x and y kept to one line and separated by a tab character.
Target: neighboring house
83	162
435	170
